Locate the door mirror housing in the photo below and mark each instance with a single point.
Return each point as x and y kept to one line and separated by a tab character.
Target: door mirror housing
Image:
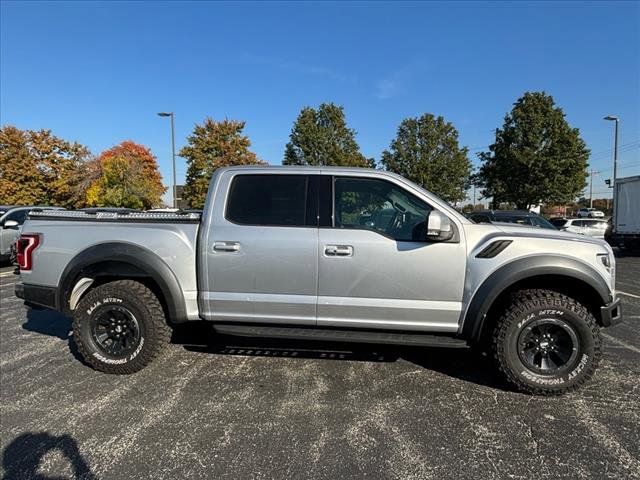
439	228
10	224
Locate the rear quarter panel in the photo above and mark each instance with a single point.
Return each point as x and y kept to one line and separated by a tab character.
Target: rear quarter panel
61	241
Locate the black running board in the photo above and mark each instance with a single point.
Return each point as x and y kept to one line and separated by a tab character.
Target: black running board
336	335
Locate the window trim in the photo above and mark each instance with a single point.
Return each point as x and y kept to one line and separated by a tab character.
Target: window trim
268	225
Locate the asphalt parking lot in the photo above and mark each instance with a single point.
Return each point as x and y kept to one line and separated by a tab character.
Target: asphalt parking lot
298	410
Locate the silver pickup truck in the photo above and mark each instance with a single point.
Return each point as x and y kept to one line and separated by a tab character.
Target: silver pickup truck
325	253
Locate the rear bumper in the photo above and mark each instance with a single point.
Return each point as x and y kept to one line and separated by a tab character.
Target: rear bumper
611	314
37	295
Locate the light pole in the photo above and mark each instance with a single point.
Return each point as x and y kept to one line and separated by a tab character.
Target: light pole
173	155
613	118
591	187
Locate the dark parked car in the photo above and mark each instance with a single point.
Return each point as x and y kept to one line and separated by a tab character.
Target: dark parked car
521	217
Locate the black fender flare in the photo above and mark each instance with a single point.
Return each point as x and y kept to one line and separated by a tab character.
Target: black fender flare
143	263
521	269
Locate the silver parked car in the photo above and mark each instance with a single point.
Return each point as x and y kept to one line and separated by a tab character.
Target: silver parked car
11	220
589	227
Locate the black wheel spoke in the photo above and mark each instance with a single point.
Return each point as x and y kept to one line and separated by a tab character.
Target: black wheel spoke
547	346
116	331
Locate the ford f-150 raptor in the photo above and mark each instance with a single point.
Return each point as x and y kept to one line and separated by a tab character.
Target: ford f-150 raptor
338	254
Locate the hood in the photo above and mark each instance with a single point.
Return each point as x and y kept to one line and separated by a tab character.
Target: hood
535	232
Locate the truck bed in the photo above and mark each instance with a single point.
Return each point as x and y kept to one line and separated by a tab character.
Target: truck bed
68	235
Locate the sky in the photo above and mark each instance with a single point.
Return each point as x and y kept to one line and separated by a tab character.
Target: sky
98	73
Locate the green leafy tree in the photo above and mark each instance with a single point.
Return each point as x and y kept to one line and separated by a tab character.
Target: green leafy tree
212	145
125	175
426	151
38	168
322	137
536	157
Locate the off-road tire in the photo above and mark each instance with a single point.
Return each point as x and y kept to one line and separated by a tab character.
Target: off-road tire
537	305
129	296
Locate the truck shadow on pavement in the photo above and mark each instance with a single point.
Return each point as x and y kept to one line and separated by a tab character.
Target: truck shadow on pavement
22	457
458	363
54	324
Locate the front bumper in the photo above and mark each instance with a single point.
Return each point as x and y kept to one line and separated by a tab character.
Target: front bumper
40	296
611	314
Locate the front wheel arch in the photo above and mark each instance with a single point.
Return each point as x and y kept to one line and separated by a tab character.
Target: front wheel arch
561	274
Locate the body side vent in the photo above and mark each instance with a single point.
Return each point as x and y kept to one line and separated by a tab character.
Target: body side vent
493	249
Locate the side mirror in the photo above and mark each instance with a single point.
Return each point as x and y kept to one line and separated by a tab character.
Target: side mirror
10	224
439	228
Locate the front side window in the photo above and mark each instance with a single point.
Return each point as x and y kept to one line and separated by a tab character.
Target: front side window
268	200
381	206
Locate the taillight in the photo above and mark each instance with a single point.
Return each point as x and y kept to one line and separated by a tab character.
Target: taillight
27	243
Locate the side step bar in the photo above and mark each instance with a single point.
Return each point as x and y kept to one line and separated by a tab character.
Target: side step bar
335	335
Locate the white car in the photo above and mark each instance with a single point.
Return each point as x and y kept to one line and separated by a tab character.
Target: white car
591	228
590	213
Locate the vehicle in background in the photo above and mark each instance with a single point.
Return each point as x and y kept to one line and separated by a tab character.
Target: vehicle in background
590	227
590	213
521	217
325	253
10	223
4	208
625	231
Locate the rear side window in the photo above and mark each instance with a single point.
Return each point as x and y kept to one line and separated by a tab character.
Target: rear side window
268	200
558	222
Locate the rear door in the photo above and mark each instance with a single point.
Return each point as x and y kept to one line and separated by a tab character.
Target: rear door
376	269
261	260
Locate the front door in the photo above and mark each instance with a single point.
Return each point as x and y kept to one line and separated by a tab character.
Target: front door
261	260
376	269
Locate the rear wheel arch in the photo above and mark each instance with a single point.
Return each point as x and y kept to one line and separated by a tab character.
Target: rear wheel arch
118	260
561	274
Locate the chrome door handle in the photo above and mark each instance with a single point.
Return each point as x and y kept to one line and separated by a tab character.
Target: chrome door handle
338	250
226	246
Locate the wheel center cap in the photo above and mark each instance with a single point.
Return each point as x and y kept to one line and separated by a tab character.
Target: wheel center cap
118	329
544	344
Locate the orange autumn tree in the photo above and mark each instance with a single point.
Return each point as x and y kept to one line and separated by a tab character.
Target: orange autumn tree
125	175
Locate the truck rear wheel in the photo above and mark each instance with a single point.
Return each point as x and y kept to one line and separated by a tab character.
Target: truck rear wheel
546	343
120	327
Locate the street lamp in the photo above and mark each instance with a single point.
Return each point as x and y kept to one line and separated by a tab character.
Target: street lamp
173	154
613	118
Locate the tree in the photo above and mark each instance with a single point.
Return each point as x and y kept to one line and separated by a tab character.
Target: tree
36	167
212	145
321	137
426	151
536	156
126	175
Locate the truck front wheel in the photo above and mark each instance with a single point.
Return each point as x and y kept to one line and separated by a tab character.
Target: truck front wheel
120	327
546	343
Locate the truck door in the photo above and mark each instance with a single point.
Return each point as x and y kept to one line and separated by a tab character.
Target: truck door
261	258
376	268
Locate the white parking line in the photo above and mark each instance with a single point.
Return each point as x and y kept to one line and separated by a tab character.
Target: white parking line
6	274
628	294
623	344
